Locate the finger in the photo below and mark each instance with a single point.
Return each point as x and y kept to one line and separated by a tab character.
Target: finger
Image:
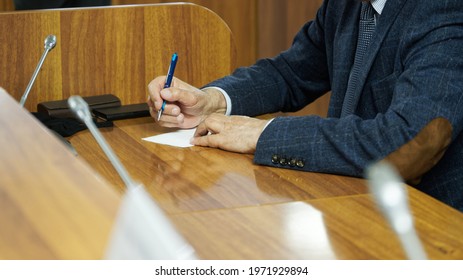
201	130
209	140
171	121
153	113
182	96
151	105
171	110
155	87
210	125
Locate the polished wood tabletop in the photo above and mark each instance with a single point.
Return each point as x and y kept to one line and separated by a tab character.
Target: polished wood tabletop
57	206
229	208
347	227
197	179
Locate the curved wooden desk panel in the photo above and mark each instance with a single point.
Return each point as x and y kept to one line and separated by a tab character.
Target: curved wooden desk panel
53	205
116	49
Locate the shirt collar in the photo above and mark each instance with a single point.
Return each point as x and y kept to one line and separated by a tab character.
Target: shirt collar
378	5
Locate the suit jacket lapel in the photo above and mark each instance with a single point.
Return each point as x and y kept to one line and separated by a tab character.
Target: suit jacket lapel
387	18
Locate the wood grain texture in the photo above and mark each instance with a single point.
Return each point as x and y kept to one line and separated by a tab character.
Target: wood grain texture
223	204
240	16
116	50
199	179
261	28
6	5
347	227
229	208
53	205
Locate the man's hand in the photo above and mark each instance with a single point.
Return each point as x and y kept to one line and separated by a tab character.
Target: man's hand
232	133
186	105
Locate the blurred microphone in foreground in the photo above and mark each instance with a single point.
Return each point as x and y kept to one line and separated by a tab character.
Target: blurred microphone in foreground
142	230
50	43
391	196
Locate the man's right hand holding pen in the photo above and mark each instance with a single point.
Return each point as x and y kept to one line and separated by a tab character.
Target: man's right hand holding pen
186	106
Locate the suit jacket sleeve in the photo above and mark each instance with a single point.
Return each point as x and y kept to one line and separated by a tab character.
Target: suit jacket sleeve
423	83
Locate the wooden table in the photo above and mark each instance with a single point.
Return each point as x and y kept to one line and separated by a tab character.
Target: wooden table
229	208
57	206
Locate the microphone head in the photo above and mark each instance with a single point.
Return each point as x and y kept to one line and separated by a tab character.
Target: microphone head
50	42
80	108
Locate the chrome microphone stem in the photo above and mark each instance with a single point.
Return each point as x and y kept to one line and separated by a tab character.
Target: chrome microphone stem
34	76
50	43
110	154
82	111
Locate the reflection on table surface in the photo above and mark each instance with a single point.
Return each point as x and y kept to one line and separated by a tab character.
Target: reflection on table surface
229	208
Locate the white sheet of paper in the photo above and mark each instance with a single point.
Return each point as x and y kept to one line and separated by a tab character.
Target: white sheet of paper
180	138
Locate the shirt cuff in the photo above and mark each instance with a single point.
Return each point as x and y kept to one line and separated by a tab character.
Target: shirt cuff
227	99
267	124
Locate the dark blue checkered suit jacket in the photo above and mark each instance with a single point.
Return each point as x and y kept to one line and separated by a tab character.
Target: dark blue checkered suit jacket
413	74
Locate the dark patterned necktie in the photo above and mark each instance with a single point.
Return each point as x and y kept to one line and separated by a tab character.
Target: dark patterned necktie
366	29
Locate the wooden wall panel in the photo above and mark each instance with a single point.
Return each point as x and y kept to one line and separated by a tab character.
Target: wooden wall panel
108	46
261	28
279	21
198	47
239	16
20	50
115	50
6	5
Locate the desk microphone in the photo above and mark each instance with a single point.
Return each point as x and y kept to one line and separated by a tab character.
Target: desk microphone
50	43
142	230
391	196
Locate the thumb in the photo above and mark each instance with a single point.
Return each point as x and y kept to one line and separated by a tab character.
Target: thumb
185	97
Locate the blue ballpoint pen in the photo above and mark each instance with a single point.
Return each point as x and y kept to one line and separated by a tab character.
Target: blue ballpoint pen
170	76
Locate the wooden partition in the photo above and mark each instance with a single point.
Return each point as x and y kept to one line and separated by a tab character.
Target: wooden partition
6	5
53	205
261	28
240	16
112	49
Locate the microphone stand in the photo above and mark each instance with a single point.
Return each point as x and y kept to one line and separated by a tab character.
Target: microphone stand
390	194
50	43
142	229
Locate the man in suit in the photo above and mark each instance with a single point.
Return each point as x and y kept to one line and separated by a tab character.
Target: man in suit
400	99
